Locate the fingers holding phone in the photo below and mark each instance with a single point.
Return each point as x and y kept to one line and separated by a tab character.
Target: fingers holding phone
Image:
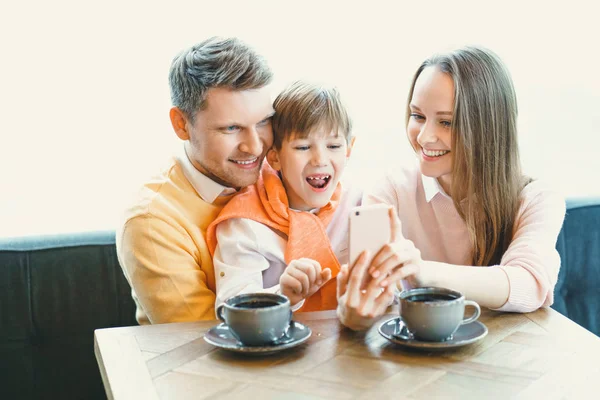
396	261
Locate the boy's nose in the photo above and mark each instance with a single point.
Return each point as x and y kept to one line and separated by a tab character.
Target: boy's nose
318	159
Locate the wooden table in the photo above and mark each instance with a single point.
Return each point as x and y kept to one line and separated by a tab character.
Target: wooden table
541	355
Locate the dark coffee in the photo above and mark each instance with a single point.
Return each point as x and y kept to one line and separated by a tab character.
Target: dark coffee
256	304
430	297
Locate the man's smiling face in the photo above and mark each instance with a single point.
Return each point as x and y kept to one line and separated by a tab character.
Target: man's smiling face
229	138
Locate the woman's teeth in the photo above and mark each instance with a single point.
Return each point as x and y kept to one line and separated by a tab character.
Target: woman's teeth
435	153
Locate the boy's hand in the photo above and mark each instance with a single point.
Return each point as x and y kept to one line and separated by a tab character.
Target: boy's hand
302	278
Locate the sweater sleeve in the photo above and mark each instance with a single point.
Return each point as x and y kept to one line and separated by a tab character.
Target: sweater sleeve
167	279
531	261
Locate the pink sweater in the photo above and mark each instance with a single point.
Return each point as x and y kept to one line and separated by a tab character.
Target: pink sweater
431	221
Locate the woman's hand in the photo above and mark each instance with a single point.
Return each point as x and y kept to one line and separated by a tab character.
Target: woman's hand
302	278
359	309
398	260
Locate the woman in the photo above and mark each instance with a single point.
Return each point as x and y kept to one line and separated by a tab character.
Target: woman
466	218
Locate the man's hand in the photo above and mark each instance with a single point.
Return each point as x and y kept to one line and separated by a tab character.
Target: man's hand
302	278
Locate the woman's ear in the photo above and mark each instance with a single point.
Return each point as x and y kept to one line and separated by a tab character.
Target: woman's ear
273	159
350	146
179	123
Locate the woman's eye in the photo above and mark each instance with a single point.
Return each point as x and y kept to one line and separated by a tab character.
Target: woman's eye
447	124
417	116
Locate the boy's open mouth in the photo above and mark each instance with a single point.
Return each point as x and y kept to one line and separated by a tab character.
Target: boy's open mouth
318	181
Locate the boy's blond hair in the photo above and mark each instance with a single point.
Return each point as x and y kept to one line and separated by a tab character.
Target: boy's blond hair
303	107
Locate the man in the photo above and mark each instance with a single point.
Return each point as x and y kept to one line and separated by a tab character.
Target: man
222	112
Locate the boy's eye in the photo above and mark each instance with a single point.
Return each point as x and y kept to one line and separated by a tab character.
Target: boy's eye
334	146
302	148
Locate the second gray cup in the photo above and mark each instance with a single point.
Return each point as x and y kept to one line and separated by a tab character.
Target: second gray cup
434	314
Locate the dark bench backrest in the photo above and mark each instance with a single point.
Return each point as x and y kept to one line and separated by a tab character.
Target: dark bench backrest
577	293
54	292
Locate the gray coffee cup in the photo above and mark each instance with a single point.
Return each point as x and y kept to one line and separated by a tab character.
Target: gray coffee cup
256	319
434	314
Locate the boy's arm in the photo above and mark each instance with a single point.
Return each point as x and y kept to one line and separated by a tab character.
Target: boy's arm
238	260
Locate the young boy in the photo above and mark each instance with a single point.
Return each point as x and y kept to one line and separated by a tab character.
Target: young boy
288	233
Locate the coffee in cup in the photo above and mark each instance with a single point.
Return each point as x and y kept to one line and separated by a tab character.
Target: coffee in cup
434	314
256	319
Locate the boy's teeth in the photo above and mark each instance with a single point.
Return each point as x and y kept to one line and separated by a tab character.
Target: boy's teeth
435	153
318	181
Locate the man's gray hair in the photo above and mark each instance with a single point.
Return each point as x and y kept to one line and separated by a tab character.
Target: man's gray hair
215	62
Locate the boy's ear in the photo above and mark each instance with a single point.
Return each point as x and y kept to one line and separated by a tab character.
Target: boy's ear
350	146
179	123
273	159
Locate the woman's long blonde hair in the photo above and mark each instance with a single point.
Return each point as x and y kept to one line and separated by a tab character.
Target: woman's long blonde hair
486	173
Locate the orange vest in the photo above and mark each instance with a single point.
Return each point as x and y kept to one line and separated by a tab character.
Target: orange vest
266	202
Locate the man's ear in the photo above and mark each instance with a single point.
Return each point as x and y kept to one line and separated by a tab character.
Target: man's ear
179	123
273	159
350	146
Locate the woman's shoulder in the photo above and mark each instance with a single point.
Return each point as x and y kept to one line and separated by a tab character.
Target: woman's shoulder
393	184
541	191
540	197
399	177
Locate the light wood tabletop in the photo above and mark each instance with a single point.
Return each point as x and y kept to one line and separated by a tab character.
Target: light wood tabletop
530	356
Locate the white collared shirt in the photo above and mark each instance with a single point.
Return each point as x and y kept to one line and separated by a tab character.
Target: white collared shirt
431	186
206	188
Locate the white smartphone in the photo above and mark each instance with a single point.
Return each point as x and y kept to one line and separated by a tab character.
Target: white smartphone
370	229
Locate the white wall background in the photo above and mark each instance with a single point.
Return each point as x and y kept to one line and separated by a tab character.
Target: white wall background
84	97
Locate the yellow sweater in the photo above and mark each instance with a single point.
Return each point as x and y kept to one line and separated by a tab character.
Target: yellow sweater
162	249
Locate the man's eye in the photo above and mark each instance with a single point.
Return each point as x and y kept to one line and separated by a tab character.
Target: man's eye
232	128
265	122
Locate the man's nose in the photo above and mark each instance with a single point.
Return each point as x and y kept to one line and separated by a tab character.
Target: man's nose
251	142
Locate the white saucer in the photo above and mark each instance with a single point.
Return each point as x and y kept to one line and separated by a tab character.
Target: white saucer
222	337
395	331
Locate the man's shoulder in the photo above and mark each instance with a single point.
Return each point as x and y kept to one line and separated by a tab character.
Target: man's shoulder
163	193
